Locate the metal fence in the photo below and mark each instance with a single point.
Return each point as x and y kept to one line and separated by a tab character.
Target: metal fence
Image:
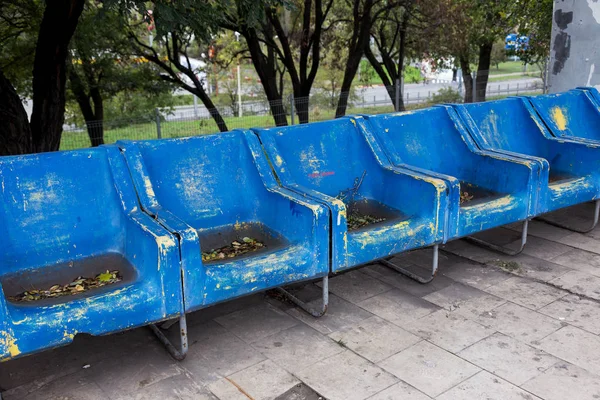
196	119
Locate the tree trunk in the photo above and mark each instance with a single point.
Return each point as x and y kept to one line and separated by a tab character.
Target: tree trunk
265	68
49	72
360	39
483	70
352	66
467	78
302	106
15	132
212	110
95	132
93	116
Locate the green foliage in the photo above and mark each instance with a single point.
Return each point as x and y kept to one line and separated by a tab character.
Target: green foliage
367	74
131	105
535	21
498	53
446	95
19	27
412	75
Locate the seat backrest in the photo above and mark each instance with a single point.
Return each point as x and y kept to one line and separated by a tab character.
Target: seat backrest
58	207
508	125
329	156
571	113
425	138
206	181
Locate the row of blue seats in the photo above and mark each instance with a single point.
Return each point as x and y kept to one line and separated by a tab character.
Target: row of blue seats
149	209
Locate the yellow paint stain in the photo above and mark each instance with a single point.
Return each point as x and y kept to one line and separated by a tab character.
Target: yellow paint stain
10	343
278	161
68	335
353	121
559	118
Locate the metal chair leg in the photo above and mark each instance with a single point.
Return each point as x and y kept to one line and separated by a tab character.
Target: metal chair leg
315	312
178	354
594	222
412	275
502	249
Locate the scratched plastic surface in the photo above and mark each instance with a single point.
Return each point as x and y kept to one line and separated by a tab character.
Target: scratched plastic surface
434	141
570	169
211	189
75	213
339	165
573	114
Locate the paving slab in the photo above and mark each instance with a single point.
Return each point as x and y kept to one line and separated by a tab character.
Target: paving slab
508	358
178	387
575	346
399	281
215	352
576	311
580	260
476	275
115	377
519	322
263	381
449	330
341	314
257	322
297	348
375	339
580	283
356	286
429	368
525	292
565	381
401	391
346	376
398	306
455	296
589	243
541	248
74	386
486	386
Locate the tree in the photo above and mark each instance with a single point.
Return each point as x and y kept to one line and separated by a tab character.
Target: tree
171	53
489	20
358	29
535	21
398	33
57	26
498	53
295	43
101	67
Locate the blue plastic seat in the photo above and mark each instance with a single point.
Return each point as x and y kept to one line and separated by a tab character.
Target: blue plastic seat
570	169
503	188
71	214
574	114
344	168
209	191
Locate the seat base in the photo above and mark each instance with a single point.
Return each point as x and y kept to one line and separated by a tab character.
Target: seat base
412	275
575	229
315	312
177	353
502	249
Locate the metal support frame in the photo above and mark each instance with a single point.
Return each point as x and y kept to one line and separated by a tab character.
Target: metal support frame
315	312
594	222
502	249
177	354
412	275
